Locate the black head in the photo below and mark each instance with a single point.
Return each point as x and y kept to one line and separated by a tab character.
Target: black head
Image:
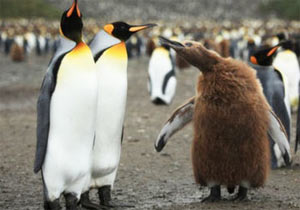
123	31
264	56
71	23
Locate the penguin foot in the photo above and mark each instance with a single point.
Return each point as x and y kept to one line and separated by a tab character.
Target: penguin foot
104	193
242	194
214	196
87	204
52	205
71	202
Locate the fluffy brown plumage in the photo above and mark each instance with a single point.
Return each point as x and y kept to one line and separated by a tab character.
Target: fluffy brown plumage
230	145
230	127
17	53
181	62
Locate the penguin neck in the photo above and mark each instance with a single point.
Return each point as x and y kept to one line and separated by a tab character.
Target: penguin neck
80	45
81	49
118	51
261	68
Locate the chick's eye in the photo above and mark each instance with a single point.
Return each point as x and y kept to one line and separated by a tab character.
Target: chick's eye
188	44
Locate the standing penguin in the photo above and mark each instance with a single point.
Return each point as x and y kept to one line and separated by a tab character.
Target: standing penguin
231	122
275	92
162	79
111	64
66	117
287	62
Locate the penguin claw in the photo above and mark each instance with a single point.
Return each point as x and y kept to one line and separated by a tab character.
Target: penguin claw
87	204
210	199
242	195
214	196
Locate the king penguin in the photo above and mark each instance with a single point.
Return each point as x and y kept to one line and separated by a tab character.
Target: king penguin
287	62
161	73
275	91
110	55
227	155
66	111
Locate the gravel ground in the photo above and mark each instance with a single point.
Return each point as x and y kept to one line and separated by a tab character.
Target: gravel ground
147	179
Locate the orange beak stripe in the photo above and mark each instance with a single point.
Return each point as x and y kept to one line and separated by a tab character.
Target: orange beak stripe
75	4
253	60
272	51
137	28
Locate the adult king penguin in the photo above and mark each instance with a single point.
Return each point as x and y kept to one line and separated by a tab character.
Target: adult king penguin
231	121
275	91
162	79
287	62
111	64
66	111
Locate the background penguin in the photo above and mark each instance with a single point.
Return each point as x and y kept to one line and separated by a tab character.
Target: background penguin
111	64
297	142
161	76
133	46
66	118
17	53
243	151
275	92
286	61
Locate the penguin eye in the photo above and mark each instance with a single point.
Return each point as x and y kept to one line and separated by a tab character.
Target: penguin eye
188	44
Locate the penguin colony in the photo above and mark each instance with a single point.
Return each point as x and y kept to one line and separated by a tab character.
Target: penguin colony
82	104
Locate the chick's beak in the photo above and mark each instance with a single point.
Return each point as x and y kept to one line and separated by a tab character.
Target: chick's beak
173	44
140	27
74	7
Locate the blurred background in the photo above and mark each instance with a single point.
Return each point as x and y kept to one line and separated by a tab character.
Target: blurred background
155	9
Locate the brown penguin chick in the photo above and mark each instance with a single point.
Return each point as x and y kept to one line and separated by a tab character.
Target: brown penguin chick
230	145
17	53
212	45
181	63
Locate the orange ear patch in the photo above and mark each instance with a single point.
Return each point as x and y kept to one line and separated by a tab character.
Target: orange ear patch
253	60
272	51
109	28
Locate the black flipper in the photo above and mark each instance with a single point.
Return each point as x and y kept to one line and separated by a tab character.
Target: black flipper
43	104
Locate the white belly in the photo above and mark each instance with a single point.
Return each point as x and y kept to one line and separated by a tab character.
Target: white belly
160	65
110	118
71	135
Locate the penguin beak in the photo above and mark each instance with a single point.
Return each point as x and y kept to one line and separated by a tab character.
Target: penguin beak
137	28
73	8
173	44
